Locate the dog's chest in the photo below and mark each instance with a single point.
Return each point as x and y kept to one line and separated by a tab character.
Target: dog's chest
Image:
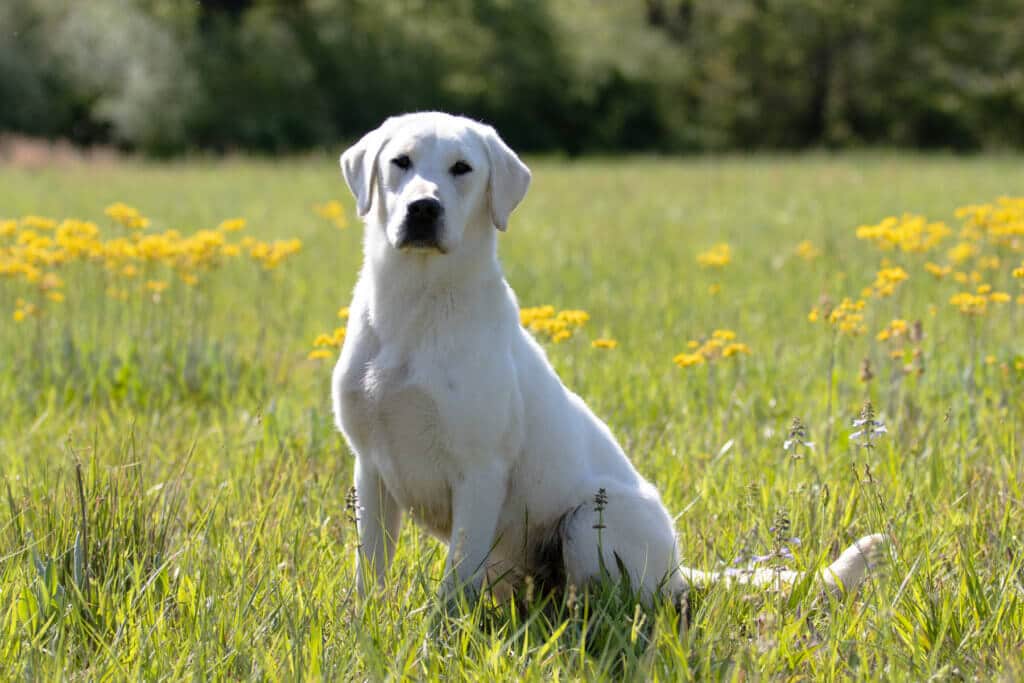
395	418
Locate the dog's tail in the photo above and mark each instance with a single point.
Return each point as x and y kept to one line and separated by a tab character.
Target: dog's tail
843	575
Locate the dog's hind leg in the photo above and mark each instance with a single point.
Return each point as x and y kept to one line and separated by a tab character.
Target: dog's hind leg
622	532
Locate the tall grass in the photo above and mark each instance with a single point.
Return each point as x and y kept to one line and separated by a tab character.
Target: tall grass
175	488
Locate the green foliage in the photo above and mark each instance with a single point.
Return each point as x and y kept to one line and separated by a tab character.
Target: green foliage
569	75
209	538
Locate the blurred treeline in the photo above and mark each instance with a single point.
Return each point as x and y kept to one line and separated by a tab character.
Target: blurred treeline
165	76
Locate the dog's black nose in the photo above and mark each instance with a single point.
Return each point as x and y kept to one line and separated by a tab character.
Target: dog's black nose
424	210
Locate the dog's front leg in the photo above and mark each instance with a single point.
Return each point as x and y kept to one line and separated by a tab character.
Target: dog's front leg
476	505
378	519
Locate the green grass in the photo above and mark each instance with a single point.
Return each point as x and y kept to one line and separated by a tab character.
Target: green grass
210	537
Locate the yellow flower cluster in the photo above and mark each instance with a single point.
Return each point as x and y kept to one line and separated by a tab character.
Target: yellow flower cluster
976	303
271	254
886	281
127	216
895	329
558	327
23	309
1001	223
1019	272
908	233
846	318
33	248
807	251
332	211
324	342
717	256
721	344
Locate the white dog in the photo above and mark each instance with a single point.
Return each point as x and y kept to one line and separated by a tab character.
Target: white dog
452	409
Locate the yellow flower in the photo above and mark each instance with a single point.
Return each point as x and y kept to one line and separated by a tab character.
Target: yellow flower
319	354
573	317
735	349
232	225
126	215
724	335
561	336
717	256
604	343
343	312
129	271
693	344
970	304
807	251
19	315
984	289
999	297
230	250
1019	272
332	211
156	286
937	270
8	228
963	251
56	297
685	360
990	360
812	317
528	316
38	222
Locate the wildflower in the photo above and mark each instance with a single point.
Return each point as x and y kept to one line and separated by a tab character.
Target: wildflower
807	251
56	297
332	211
561	336
127	216
938	271
796	439
887	280
232	225
724	335
343	312
735	349
970	304
156	286
38	223
604	343
870	428
8	228
963	251
718	256
1019	272
686	360
319	354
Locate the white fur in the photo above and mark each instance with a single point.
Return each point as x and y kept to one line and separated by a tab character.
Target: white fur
451	407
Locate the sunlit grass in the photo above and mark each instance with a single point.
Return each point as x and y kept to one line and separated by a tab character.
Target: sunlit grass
210	537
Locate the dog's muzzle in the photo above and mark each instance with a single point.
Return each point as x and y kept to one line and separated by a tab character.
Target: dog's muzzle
422	226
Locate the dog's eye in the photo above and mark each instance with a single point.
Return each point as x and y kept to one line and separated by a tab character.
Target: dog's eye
403	162
460	168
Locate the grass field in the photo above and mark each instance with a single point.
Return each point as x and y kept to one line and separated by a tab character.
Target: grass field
176	490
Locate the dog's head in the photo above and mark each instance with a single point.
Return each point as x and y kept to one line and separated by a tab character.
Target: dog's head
430	177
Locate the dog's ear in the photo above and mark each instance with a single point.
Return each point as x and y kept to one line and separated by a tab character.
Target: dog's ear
509	177
359	163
